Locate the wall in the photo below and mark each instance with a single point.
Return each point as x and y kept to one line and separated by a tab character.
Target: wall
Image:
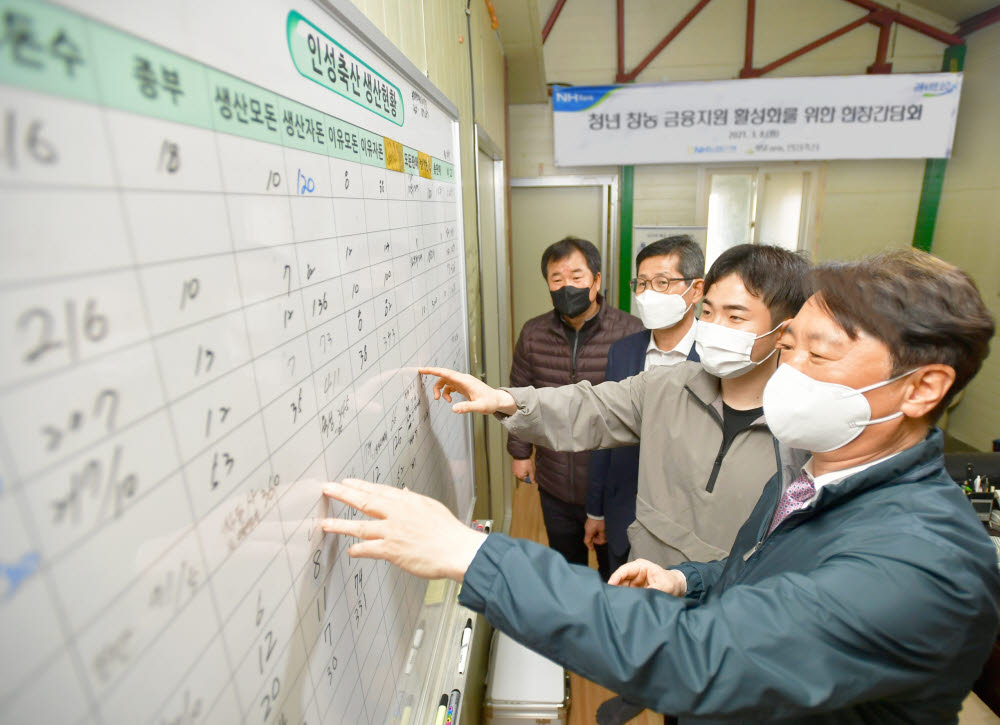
865	205
434	36
968	227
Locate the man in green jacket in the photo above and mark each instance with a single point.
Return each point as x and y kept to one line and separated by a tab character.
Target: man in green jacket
863	590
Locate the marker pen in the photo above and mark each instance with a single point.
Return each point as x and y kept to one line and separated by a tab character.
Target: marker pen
418	637
453	701
463	657
441	711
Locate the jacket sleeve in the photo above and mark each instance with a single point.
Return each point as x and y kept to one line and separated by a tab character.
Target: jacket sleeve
580	417
520	376
700	576
600	461
872	627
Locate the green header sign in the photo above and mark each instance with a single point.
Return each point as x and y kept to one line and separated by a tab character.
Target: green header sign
323	60
53	50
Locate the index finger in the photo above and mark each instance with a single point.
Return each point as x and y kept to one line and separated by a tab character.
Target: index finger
439	372
624	573
361	495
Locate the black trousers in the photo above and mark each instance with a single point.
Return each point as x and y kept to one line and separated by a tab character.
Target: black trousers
616	561
564	526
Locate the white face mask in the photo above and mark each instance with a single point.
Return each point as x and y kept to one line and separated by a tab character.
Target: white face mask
658	310
725	352
814	415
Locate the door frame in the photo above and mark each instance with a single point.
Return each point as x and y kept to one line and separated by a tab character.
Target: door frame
498	486
609	213
499	202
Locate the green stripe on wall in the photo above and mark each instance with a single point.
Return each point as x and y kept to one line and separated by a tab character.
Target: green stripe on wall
930	191
625	240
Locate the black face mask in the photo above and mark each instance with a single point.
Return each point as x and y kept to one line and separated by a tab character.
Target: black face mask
571	301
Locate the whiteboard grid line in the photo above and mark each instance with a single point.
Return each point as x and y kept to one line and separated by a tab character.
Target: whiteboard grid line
443	438
127	224
7	388
199	387
50	561
24	282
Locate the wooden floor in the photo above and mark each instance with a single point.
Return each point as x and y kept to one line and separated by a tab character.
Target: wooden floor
585	696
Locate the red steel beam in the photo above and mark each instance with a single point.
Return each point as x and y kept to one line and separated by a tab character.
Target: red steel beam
621	41
909	22
553	17
987	17
880	65
631	75
811	46
747	70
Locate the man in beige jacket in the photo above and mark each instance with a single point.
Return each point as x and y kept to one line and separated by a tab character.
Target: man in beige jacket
706	449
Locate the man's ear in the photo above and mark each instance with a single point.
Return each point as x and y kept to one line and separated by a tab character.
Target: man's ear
926	388
780	330
697	291
597	281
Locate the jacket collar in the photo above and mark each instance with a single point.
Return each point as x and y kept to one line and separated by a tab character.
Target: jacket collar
708	390
910	464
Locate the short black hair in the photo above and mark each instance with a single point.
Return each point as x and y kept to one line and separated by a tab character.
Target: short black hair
565	247
778	277
691	258
922	308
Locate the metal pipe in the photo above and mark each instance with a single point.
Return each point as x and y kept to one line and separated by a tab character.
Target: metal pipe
631	75
812	46
620	19
553	16
981	20
880	65
747	69
909	22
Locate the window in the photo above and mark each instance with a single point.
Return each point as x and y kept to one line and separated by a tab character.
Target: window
774	204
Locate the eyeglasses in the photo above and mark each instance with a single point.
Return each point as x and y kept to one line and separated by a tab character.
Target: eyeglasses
657	284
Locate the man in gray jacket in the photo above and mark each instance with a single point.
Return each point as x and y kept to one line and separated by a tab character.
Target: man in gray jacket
863	590
706	449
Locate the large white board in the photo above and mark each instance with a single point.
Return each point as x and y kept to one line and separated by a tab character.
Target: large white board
229	232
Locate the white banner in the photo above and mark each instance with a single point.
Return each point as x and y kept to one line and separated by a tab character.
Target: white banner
761	119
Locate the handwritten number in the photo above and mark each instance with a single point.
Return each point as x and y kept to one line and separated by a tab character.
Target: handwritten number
170	157
189	290
94	327
46	340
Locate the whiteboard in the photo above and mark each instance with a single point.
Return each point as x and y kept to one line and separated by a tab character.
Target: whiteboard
230	231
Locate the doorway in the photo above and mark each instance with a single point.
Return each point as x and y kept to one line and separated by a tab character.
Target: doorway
543	211
773	204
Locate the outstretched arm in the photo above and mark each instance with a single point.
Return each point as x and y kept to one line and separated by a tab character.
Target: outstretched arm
740	654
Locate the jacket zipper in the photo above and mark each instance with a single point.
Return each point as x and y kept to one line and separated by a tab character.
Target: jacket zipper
723	448
576	343
764	535
572	378
767	537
